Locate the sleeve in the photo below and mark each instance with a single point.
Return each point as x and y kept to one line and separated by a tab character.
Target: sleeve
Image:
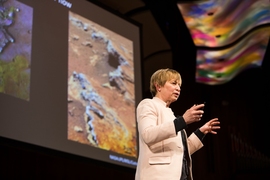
150	130
194	143
179	124
199	134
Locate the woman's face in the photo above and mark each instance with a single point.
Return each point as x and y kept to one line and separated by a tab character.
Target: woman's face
170	91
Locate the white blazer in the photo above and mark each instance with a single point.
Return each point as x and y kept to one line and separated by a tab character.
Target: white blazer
160	148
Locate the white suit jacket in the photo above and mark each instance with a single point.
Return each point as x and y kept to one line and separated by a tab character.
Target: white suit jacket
160	148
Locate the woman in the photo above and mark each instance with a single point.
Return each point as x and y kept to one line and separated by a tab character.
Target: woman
164	147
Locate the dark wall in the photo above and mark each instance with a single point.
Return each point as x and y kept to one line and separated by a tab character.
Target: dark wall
24	161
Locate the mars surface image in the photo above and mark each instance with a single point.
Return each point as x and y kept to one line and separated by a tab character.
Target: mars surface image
15	48
101	96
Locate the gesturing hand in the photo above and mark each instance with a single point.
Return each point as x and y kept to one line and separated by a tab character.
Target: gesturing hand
193	114
210	127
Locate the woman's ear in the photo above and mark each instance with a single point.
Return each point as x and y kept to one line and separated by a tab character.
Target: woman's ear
157	87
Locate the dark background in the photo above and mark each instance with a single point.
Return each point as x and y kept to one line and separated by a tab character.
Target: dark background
241	149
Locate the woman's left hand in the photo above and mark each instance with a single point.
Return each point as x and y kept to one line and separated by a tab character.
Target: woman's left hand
211	126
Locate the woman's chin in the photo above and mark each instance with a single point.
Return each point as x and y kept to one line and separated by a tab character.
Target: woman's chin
174	99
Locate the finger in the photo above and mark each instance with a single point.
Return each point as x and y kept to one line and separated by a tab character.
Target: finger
198	112
213	120
196	115
216	123
214	127
199	106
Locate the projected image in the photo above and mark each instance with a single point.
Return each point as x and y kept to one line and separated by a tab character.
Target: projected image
15	48
226	25
101	97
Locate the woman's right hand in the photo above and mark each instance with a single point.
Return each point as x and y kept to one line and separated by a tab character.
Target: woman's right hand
193	114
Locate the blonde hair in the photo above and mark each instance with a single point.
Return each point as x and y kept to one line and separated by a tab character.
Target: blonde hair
161	76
